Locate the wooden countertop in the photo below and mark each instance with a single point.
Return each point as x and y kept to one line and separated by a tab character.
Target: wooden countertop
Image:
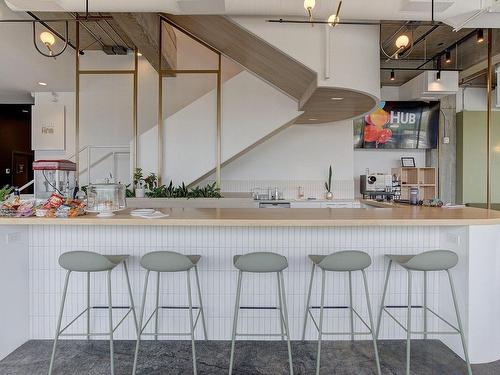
319	217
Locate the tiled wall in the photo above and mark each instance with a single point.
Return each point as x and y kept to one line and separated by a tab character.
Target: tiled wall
218	276
342	189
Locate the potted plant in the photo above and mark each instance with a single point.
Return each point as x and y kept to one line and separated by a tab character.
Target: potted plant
138	183
5	192
328	185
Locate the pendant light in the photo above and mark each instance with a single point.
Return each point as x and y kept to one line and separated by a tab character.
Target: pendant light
49	41
393	75
309	6
480	36
447	56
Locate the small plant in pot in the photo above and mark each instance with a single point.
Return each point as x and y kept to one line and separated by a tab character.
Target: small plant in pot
328	185
139	184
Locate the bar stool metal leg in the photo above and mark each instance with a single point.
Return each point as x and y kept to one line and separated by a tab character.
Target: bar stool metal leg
59	321
320	328
131	298
382	303
308	302
88	306
372	327
425	305
157	304
235	321
284	320
459	322
280	307
141	317
408	326
191	320
351	312
202	311
110	320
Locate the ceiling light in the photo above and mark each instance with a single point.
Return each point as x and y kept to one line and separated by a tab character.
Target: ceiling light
139	54
438	75
480	36
312	119
447	56
336	98
393	75
42	83
47	39
402	41
333	20
25	111
309	6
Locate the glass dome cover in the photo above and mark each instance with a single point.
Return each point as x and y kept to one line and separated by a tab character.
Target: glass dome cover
106	198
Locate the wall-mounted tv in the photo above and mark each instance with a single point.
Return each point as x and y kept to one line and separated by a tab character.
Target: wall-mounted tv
399	125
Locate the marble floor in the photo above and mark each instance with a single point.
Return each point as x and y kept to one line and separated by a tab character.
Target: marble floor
252	357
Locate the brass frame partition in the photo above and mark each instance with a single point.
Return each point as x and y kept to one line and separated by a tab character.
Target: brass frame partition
162	73
489	89
78	73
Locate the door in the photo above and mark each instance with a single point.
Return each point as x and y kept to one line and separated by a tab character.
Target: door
22	171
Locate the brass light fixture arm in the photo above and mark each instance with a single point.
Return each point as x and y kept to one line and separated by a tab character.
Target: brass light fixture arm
407	50
51	54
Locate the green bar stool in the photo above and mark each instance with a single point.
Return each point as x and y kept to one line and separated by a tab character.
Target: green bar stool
169	261
89	262
262	262
429	261
343	261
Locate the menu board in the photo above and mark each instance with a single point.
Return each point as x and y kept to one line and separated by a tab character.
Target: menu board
399	125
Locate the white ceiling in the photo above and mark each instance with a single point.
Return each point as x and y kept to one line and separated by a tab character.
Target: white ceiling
351	9
22	67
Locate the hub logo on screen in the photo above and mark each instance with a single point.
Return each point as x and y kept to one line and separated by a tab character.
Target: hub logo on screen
398	125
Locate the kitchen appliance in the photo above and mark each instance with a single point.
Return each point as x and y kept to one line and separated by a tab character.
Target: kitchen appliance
376	185
54	176
105	198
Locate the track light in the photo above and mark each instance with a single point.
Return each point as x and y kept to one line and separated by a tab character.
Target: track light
393	75
447	56
480	36
438	75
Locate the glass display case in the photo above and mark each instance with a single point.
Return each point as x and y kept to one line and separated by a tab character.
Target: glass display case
106	198
54	176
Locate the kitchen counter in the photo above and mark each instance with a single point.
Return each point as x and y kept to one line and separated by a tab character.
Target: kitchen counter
382	215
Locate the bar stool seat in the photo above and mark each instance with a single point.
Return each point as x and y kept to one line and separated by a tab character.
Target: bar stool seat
341	261
260	262
170	261
428	261
90	262
434	260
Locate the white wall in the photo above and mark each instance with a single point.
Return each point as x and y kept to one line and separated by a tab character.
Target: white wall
473	99
300	152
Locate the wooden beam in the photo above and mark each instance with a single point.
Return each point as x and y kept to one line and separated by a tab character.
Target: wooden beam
142	29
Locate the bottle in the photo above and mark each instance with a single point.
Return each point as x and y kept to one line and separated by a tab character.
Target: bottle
414	195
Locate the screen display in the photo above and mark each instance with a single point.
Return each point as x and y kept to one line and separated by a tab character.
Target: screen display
399	125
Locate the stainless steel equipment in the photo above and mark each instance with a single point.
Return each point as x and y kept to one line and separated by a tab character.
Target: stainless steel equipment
281	204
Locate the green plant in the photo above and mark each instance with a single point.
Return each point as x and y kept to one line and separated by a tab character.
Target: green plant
182	191
5	192
137	178
151	181
328	184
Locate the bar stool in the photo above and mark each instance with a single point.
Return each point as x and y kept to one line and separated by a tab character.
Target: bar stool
435	260
342	261
169	261
262	262
89	262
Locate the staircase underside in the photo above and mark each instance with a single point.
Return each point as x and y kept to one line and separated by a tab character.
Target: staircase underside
277	68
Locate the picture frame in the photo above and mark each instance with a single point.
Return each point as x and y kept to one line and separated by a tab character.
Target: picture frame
408	162
48	131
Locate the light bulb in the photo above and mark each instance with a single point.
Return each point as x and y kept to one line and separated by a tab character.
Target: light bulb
47	38
332	20
402	41
309	4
